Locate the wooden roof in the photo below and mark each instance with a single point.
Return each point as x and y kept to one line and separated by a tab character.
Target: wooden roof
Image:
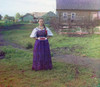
78	4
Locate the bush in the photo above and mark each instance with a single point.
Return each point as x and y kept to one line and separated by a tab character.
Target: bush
2	54
29	46
54	22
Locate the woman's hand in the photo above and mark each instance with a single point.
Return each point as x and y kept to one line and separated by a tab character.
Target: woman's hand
48	37
35	38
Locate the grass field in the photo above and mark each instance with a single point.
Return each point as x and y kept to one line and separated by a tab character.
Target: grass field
7	23
2	23
15	71
16	67
88	45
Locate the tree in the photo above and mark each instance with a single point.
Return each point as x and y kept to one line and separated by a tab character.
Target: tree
0	16
54	22
17	16
6	17
48	16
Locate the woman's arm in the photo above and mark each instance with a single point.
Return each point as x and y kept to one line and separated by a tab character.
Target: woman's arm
49	33
48	37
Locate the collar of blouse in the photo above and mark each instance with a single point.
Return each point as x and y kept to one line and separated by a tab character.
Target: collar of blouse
40	29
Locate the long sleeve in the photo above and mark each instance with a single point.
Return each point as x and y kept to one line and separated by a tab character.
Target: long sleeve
49	33
33	34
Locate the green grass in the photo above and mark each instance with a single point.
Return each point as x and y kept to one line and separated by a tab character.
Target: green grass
82	46
9	23
28	26
1	21
15	71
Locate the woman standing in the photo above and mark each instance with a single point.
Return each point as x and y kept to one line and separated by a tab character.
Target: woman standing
41	52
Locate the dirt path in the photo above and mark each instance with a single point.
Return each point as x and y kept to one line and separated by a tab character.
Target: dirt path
7	43
91	63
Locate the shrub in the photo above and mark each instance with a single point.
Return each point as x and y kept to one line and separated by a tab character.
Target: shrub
29	45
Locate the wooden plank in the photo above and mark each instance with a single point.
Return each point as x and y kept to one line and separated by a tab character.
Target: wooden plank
79	33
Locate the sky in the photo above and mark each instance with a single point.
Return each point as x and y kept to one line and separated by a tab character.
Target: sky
11	7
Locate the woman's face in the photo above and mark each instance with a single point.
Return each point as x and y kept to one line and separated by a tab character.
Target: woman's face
41	22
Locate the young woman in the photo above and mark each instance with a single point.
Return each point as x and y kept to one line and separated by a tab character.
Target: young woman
41	52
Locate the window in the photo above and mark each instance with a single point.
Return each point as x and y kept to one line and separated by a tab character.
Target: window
94	16
99	14
73	16
65	15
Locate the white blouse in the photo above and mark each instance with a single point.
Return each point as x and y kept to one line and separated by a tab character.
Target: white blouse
33	34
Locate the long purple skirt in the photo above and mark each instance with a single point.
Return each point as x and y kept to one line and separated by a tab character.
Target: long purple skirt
41	55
